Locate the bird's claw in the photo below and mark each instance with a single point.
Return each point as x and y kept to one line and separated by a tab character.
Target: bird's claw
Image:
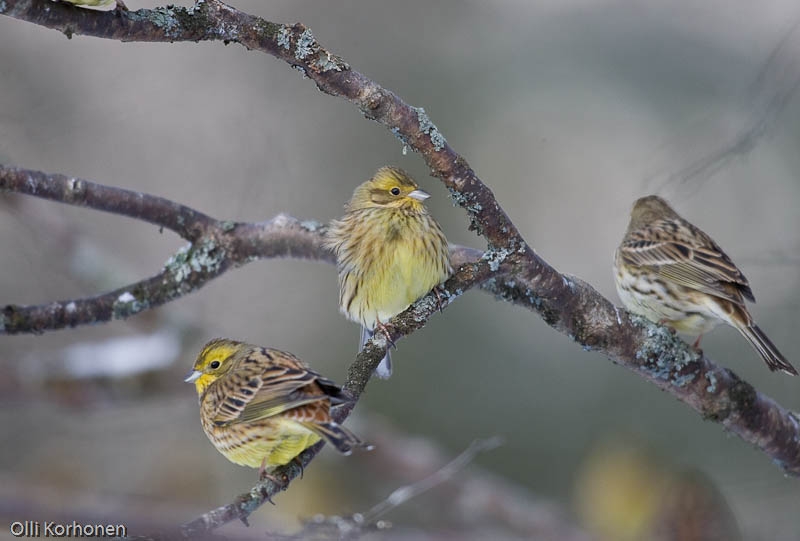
385	331
438	290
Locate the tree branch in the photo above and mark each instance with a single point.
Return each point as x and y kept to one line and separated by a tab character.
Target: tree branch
509	268
216	246
186	222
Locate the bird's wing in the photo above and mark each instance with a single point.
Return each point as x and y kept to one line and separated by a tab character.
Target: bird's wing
686	256
267	383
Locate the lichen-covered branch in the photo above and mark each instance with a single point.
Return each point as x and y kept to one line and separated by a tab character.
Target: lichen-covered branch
576	309
215	246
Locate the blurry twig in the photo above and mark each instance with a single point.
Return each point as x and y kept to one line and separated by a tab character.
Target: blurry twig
354	526
769	94
403	494
478	504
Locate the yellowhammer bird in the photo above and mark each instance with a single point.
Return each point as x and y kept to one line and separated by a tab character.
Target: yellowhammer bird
262	407
669	271
389	252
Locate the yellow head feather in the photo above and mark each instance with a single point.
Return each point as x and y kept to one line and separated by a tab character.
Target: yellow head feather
390	187
214	361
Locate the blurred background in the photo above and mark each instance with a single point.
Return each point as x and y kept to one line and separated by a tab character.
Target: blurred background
568	110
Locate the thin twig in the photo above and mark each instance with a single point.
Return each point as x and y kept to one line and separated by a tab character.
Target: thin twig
357	524
403	494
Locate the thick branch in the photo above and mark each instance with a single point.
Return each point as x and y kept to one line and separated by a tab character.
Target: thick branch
215	247
576	309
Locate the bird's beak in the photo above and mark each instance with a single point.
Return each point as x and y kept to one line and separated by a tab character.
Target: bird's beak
419	195
192	377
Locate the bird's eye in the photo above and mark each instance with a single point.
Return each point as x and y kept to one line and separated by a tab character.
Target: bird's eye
214	365
395	191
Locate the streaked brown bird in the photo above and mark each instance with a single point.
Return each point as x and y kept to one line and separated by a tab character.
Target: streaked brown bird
670	272
261	407
389	252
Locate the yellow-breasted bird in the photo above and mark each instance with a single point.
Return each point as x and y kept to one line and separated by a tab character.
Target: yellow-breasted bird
669	271
389	252
261	407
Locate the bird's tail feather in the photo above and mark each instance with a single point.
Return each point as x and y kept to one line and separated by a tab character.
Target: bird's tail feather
338	436
774	358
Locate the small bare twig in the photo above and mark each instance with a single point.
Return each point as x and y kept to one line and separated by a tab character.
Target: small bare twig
354	526
404	494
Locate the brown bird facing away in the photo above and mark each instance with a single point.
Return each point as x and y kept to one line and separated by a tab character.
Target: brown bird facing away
670	272
261	407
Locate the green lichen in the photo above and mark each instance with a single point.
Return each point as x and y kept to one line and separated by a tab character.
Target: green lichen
495	257
459	199
195	20
312	226
165	19
402	139
127	305
429	128
2	323
269	31
511	291
330	62
712	382
306	45
465	201
3	7
468	203
682	380
284	38
663	354
206	258
227	226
